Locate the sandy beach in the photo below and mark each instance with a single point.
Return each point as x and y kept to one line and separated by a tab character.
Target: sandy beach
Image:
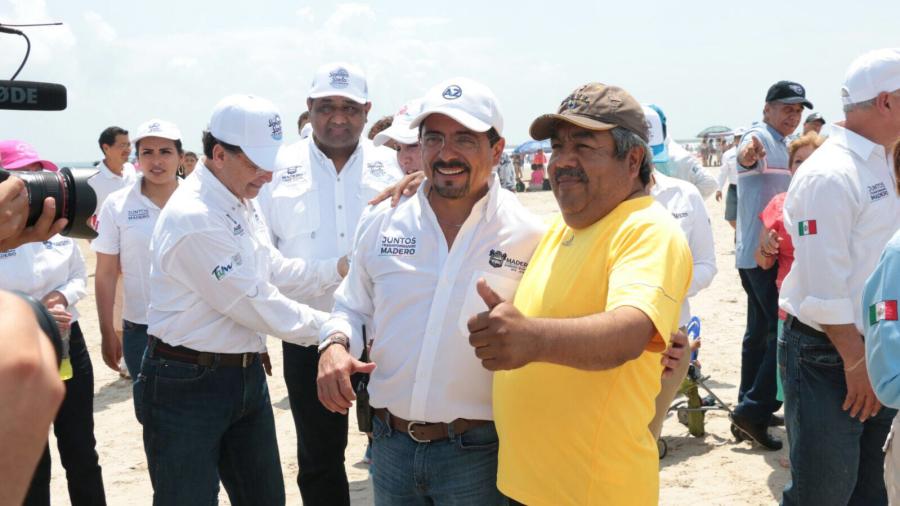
709	470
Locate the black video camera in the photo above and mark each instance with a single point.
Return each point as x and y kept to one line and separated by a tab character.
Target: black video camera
75	199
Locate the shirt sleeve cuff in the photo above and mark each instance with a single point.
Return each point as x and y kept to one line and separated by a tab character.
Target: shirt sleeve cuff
70	293
818	311
342	326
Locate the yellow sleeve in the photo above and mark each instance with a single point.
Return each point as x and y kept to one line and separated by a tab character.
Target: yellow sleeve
650	268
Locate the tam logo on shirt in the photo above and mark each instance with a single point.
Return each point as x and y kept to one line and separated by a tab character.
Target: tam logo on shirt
221	271
881	311
808	227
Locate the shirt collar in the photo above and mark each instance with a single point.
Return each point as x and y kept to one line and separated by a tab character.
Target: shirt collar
775	133
211	186
322	157
852	141
487	205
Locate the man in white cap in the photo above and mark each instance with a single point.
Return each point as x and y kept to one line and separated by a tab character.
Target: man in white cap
414	273
312	209
401	137
217	288
841	209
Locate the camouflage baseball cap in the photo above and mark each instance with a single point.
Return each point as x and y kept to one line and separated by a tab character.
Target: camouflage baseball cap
595	106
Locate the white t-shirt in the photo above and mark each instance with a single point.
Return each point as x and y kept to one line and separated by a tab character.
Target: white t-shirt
124	228
104	182
39	268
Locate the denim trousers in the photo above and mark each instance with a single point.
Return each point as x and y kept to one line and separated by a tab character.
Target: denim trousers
74	430
203	424
835	459
134	342
321	434
756	394
460	470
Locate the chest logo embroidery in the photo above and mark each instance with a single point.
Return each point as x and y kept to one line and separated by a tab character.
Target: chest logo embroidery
397	246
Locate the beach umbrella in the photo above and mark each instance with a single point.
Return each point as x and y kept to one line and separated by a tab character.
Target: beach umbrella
532	147
717	129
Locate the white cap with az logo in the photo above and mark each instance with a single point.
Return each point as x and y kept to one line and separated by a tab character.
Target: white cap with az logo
253	124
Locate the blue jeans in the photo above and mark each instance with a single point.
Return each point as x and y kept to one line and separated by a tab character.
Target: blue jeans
460	470
134	342
835	459
203	424
756	395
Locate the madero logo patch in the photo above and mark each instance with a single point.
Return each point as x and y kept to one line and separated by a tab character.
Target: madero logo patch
222	270
397	246
498	259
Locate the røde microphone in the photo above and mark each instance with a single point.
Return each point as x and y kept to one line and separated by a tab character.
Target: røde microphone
32	96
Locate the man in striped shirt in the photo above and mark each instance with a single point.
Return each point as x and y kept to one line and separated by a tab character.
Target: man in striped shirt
762	173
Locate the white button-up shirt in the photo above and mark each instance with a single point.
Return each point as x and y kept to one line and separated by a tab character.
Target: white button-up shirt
686	205
420	296
104	182
216	282
39	268
124	228
312	210
841	209
684	165
728	170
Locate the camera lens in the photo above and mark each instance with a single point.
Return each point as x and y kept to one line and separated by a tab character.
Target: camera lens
75	199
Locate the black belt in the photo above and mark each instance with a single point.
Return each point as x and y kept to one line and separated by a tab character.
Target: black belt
207	359
791	322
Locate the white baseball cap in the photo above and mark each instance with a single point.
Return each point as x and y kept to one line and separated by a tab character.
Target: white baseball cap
342	80
157	128
254	125
656	139
400	129
469	102
870	74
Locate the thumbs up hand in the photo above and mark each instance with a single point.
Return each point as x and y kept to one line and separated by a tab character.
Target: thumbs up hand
753	152
500	335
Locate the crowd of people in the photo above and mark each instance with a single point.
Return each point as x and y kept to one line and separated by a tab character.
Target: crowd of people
404	278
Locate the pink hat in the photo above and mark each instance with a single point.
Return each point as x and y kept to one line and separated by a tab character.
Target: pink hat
17	154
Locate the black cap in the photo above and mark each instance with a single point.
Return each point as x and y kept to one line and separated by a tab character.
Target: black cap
788	92
815	117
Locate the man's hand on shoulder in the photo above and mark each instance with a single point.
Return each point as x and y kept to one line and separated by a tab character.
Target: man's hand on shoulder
499	335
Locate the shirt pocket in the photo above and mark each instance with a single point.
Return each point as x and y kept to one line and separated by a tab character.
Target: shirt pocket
474	304
296	211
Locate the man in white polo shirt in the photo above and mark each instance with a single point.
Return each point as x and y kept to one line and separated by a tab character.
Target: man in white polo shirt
217	287
414	273
403	138
312	208
114	171
841	209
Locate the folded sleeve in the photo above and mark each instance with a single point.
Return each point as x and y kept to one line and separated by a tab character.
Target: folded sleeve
818	215
75	287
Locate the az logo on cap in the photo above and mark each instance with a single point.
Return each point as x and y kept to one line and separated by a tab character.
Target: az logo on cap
340	78
452	92
275	125
154	127
796	88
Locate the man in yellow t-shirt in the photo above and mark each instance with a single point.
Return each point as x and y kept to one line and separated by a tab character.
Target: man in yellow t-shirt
577	350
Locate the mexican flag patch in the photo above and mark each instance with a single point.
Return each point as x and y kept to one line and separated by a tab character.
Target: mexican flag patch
807	227
884	310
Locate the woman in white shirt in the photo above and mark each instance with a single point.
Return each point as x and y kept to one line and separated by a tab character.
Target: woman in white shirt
53	272
125	226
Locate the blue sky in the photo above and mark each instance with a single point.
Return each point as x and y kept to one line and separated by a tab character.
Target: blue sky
703	62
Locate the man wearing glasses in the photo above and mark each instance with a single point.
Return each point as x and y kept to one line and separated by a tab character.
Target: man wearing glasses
413	274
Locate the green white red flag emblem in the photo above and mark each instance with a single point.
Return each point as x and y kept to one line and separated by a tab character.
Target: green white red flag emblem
807	227
881	311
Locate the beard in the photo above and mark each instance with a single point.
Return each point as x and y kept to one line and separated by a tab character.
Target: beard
450	189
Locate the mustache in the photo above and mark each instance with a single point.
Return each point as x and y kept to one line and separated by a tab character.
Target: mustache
452	164
576	172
